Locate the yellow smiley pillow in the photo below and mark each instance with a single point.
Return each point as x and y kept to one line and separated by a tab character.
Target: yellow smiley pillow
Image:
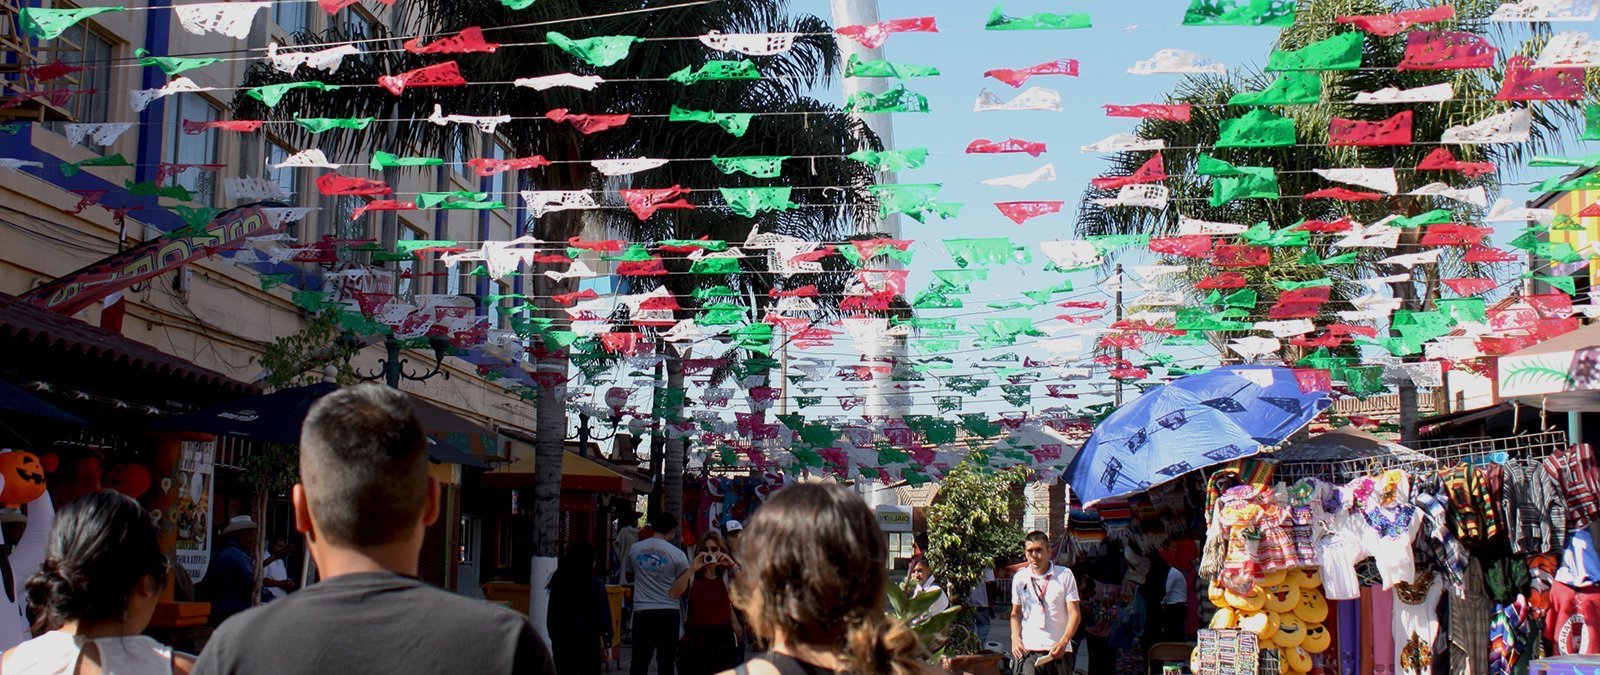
1253	602
1317	638
1291	633
1313	607
1283	597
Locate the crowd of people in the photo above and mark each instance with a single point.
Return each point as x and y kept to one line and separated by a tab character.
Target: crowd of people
799	590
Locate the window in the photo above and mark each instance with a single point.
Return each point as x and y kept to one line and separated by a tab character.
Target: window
502	186
81	44
460	150
290	16
497	318
468	554
198	149
406	287
356	23
284	177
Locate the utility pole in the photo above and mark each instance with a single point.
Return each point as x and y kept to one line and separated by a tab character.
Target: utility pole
1118	278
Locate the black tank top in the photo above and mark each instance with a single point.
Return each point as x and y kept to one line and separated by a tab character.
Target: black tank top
787	665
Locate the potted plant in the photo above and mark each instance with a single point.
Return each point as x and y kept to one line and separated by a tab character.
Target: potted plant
969	526
912	611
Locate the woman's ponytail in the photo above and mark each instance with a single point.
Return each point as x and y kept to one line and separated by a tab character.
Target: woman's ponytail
875	643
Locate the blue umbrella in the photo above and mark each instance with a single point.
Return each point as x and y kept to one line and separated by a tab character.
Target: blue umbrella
16	399
1192	423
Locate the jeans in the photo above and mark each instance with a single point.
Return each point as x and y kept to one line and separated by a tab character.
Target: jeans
984	618
1066	665
655	633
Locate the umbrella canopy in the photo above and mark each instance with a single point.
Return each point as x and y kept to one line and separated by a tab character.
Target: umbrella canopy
1562	373
1192	423
1346	443
16	399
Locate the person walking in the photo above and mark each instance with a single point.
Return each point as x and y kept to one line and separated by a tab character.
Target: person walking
652	566
1174	605
363	503
981	600
710	631
579	615
922	576
230	580
95	593
275	581
813	568
1044	612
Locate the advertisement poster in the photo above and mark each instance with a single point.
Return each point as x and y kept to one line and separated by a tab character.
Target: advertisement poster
193	511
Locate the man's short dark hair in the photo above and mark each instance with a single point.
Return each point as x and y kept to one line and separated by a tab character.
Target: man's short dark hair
1037	537
663	523
364	465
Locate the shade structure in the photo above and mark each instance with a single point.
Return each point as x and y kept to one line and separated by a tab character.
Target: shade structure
14	399
1343	444
1191	423
1561	374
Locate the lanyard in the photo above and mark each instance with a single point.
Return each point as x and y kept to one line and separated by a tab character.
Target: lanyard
1034	582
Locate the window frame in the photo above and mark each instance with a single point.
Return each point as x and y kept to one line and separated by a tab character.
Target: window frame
172	152
102	79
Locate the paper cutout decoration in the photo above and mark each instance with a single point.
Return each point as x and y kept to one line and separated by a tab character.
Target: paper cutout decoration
1169	112
1390	25
872	36
855	67
1259	128
1572	49
896	100
382	160
587	124
1043	174
169	64
317	125
733	123
1291	88
469	41
1124	142
1453	234
1446	50
542	202
446	74
1591	119
1436	93
1041	21
1340	52
272	94
1022	212
1395	130
488	166
1547	10
13	164
1470	285
584	82
486	124
1382	180
1016	77
1475	195
1343	195
743	69
1152	171
1239	13
645	202
1511	126
599	51
752	201
917	200
754	166
984	146
892	160
49	24
102	135
140	99
193	127
232	19
1525	83
1035	98
1178	62
752	44
330	184
1143	195
327	59
1440	159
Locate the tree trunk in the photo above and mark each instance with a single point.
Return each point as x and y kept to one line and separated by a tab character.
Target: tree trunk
550	365
1018	503
672	463
1057	515
1406	293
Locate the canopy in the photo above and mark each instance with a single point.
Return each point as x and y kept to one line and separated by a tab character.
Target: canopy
1346	443
1192	423
18	400
1562	373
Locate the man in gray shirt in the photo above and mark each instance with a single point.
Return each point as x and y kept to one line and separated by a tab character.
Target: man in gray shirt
651	566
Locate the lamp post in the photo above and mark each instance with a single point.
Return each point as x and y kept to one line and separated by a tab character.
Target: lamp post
582	435
392	369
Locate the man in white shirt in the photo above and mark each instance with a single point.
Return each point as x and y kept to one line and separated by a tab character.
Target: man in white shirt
922	574
1174	606
981	599
652	566
275	582
1044	612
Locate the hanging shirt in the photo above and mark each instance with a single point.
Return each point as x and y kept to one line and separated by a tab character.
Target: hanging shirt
1580	564
1534	509
1416	624
1043	600
1575	472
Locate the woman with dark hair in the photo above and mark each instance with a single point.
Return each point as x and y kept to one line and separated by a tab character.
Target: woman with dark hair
579	614
811	584
102	574
710	629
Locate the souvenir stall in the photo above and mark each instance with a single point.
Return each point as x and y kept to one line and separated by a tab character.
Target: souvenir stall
1468	558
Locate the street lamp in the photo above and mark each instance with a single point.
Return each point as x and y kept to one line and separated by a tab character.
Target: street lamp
391	369
583	435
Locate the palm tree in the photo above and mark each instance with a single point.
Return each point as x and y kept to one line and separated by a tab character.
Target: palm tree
1473	100
793	124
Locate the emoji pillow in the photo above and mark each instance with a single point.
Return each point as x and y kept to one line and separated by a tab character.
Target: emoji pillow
1283	597
1318	640
1313	607
1291	633
1306	577
1253	602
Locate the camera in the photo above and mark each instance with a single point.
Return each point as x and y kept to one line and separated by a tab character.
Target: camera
708	558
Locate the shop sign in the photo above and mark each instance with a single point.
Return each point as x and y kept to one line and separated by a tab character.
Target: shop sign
193	513
894	518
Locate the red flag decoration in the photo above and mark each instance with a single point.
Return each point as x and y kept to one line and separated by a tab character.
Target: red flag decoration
552	259
383	205
1016	77
1122	340
1325	226
587	124
1221	282
873	35
873	302
1487	254
335	184
1441	160
193	127
1080	319
1454	234
469	40
488	166
1550	305
868	249
1130	373
1152	111
598	246
56	97
806	291
1590	211
984	146
1240	255
1313	379
165	170
1186	246
626	344
57	69
87	198
657	311
1152	171
651	267
1324	341
1393	131
1523	82
1344	195
1021	212
1389	25
1301	303
1082	304
644	203
446	74
371	303
1351	329
1469	285
1446	50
